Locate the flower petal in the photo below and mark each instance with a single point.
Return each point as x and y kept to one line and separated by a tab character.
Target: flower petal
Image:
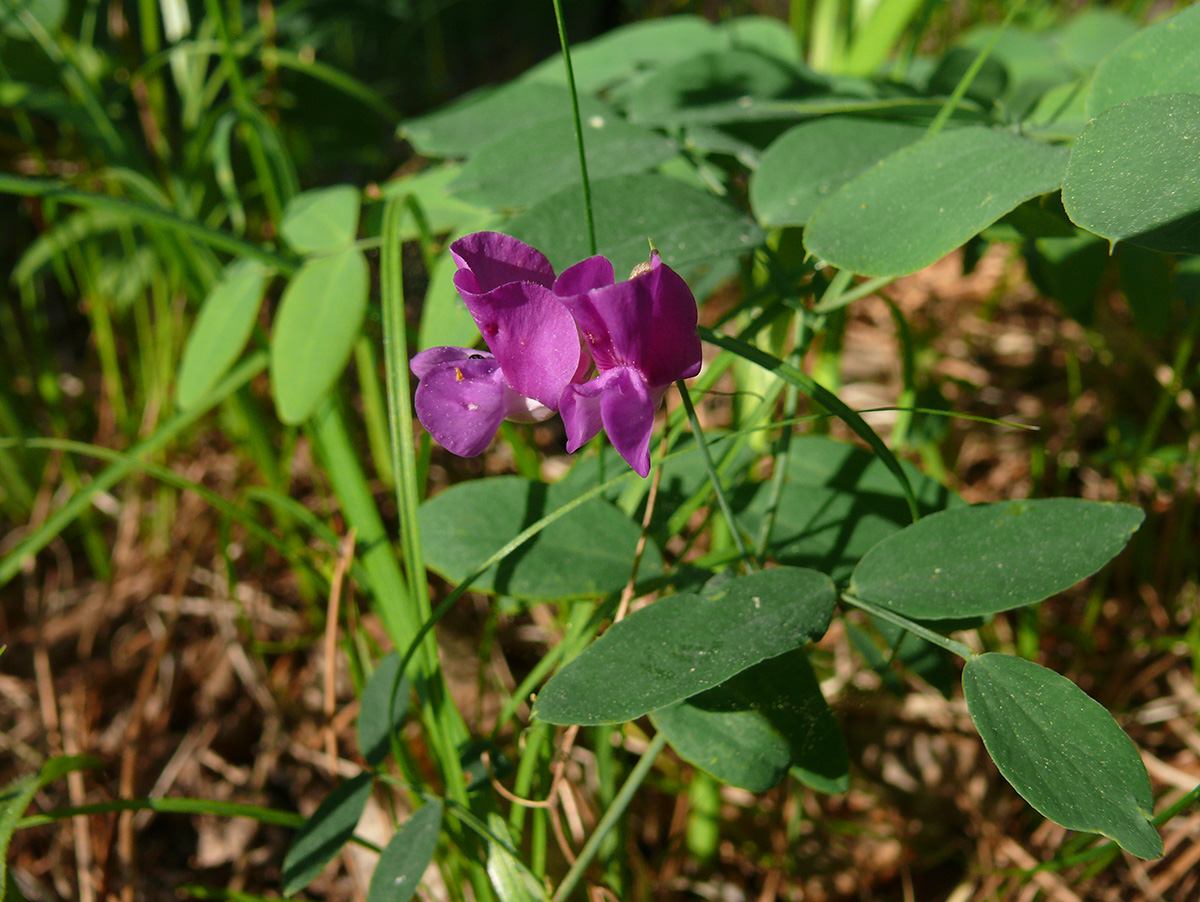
587	275
532	334
648	322
627	408
491	260
426	361
462	404
580	411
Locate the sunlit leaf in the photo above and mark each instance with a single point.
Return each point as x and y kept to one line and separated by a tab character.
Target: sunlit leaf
682	645
1161	59
992	557
1061	750
321	220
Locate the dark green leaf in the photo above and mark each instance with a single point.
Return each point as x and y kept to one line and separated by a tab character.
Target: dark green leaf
525	166
382	709
1161	59
406	856
751	729
1134	173
324	834
1149	287
221	330
812	160
687	225
49	14
587	553
992	557
315	328
1061	751
923	201
682	645
483	116
322	220
1069	269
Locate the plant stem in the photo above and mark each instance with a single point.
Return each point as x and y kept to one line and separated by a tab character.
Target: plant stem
587	185
951	645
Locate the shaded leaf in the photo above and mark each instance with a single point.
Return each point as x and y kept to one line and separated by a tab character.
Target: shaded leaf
992	557
1069	269
324	834
585	554
1061	750
322	220
682	645
1134	174
923	201
221	330
752	729
404	860
315	328
382	709
1148	285
688	225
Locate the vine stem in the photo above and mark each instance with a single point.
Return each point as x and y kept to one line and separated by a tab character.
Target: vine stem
583	172
951	645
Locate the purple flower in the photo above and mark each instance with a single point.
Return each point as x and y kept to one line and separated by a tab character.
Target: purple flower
642	335
464	395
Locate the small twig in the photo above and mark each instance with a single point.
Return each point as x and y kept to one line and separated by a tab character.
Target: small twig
345	558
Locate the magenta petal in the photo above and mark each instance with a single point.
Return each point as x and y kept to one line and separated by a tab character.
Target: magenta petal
424	362
490	260
532	334
462	404
579	408
588	275
628	413
648	322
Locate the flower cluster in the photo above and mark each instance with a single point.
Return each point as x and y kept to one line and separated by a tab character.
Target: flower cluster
599	352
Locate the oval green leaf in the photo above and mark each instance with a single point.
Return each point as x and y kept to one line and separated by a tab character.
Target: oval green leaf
812	160
382	709
992	557
1161	59
404	860
1061	751
222	329
315	328
920	203
752	729
521	168
324	834
1134	174
587	553
321	220
682	645
688	225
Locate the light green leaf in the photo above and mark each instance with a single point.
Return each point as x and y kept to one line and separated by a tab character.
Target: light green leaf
1092	35
49	14
682	645
1161	59
485	115
812	160
221	330
430	189
1061	751
1134	174
688	225
523	167
315	328
382	709
587	553
406	856
322	220
631	50
511	879
751	729
323	835
992	557
922	202
766	34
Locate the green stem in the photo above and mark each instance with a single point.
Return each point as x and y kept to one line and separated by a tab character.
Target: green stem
611	816
951	645
583	172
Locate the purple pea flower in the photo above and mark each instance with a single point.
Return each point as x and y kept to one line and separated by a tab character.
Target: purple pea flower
642	335
464	395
